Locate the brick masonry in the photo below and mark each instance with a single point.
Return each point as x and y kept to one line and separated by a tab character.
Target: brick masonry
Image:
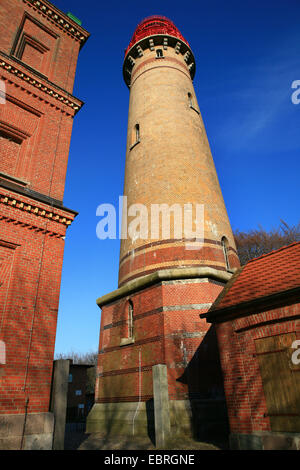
167	330
168	161
246	404
257	320
39	46
171	164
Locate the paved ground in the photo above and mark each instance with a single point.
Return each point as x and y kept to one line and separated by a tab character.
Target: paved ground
78	440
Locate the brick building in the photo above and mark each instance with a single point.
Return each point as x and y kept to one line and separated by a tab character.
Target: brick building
153	316
39	46
80	396
257	323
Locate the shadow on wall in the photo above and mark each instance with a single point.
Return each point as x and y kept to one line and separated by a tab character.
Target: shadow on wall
203	377
29	337
150	420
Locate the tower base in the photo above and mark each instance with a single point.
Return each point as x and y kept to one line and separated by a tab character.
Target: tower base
155	320
196	418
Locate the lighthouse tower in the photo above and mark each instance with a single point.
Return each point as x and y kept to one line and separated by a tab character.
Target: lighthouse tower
168	276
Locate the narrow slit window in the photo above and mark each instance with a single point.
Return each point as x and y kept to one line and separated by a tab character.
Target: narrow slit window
224	242
191	102
130	320
137	133
128	329
135	136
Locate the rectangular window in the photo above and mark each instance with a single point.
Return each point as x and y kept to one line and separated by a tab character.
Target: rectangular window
135	136
35	44
191	103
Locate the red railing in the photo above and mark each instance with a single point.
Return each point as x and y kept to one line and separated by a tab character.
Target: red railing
154	25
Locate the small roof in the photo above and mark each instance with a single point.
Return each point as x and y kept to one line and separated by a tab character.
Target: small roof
261	277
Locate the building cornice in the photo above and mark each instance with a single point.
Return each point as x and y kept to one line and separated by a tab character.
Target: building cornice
59	19
48	88
38	209
163	275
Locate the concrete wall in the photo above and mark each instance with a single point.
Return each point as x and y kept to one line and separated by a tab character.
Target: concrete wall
138	419
31	432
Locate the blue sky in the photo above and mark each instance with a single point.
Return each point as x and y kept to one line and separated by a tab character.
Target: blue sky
247	56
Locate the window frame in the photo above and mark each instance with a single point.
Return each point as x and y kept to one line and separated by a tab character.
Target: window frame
136	134
129	339
159	54
191	105
225	246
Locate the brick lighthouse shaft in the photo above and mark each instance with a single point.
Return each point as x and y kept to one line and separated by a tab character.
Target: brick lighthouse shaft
168	158
153	316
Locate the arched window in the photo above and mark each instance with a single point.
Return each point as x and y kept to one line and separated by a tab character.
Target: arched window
224	242
128	328
159	53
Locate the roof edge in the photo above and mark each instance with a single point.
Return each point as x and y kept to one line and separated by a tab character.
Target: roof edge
266	302
271	253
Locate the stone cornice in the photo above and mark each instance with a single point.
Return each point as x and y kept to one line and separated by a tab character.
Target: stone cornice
44	86
163	275
59	19
37	209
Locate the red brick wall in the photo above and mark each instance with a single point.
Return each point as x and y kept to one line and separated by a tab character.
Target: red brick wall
63	49
30	274
167	330
143	262
44	134
38	58
10	150
242	380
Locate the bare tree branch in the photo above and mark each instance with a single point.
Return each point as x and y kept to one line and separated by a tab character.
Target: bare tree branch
259	242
